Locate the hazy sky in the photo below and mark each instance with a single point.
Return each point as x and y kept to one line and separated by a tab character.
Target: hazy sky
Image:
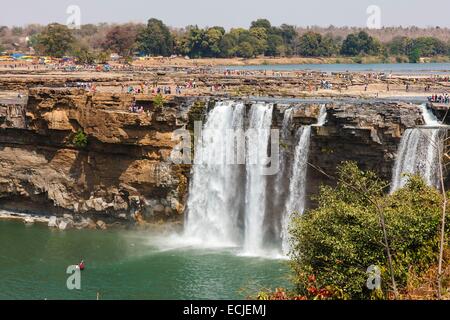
230	13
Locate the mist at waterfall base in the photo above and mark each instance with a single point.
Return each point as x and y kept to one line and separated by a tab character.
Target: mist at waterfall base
235	205
418	152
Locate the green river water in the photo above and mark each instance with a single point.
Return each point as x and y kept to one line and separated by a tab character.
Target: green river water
125	265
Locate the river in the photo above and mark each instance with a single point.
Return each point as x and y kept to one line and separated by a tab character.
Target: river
125	265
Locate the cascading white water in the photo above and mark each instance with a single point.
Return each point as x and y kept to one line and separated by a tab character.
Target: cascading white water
297	189
296	200
428	116
418	153
255	193
213	204
282	175
322	116
222	195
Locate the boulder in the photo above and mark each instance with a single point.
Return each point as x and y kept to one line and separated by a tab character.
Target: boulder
53	222
68	216
28	220
91	224
158	209
101	225
168	211
65	225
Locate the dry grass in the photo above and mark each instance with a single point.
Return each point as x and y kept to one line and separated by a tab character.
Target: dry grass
424	287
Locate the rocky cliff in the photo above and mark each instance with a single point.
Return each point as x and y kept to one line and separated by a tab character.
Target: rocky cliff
367	133
124	172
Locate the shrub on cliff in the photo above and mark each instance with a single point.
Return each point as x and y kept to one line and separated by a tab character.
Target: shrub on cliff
159	101
80	140
343	237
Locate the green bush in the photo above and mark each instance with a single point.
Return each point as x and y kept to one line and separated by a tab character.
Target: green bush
414	56
337	242
159	101
80	140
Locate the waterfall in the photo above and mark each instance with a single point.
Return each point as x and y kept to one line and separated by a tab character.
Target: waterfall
322	119
222	193
297	189
255	192
228	204
213	203
418	153
281	184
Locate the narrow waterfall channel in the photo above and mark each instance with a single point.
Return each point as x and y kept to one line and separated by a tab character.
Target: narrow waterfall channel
227	203
297	188
418	153
255	190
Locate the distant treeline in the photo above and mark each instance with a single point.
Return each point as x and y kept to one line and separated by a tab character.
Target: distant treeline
94	42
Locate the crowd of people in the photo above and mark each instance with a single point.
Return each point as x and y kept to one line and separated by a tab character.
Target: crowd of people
442	98
134	108
88	86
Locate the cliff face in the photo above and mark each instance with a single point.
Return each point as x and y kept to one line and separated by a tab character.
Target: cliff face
123	172
368	134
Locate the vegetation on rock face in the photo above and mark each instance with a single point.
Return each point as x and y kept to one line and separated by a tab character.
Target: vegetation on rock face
80	140
334	245
159	101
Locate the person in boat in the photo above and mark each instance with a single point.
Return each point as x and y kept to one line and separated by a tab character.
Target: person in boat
81	265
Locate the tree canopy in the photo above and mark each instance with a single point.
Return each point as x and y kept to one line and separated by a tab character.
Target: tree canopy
337	242
55	40
156	39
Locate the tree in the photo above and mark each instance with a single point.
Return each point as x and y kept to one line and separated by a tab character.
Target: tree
213	39
414	55
400	46
121	39
55	40
84	55
288	33
261	23
258	37
360	43
155	39
338	241
312	44
228	45
275	45
245	50
429	46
